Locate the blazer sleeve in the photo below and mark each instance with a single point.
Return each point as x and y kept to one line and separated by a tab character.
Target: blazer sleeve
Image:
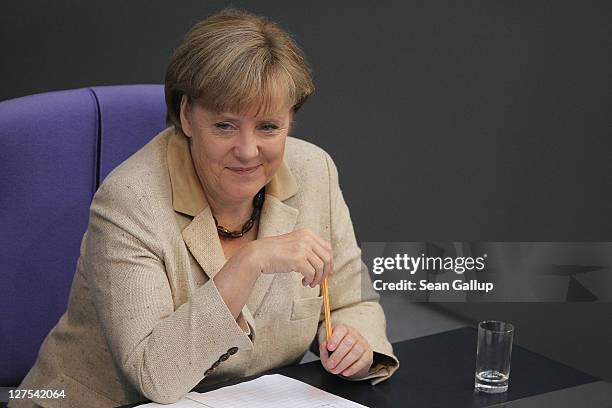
353	301
163	352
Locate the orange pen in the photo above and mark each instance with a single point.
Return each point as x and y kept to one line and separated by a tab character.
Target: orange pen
328	327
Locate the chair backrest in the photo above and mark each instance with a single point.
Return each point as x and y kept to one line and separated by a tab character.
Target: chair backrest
54	149
130	116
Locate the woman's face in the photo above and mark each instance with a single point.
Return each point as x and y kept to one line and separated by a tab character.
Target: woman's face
234	155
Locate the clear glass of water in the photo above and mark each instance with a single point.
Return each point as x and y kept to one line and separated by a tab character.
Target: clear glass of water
493	354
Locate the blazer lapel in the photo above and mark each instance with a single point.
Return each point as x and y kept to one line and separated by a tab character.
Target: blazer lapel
201	238
277	218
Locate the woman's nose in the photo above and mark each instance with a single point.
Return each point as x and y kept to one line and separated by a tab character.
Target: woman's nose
246	147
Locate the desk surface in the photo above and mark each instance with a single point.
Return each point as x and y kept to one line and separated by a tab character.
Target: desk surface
437	371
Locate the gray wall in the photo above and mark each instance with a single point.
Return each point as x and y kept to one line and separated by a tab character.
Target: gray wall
484	121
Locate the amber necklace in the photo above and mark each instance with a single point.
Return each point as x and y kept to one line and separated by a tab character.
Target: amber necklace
258	201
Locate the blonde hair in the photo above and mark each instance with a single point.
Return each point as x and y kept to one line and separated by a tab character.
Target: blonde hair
233	61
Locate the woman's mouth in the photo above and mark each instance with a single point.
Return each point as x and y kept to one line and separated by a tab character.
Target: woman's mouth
244	170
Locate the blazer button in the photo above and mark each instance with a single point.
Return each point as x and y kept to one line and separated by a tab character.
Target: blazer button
208	372
215	364
233	350
224	357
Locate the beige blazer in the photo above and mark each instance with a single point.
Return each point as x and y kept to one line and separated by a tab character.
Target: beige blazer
145	319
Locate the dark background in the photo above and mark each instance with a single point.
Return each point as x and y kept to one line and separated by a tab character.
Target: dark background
470	121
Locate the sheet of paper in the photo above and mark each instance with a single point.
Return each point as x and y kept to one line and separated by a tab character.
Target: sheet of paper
271	391
184	403
268	391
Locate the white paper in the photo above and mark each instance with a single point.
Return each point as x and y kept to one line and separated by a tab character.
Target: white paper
184	403
268	391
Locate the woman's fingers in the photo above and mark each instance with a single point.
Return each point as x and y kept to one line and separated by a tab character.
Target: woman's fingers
326	257
318	265
351	354
316	252
308	272
338	334
323	353
360	367
340	344
301	251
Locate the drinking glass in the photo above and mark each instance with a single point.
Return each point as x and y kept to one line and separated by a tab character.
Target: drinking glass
493	355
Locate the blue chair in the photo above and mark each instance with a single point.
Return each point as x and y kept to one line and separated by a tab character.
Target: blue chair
55	148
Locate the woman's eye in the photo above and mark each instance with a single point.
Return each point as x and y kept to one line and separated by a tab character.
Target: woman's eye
269	127
223	126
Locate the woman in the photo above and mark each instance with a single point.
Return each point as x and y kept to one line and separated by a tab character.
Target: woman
205	249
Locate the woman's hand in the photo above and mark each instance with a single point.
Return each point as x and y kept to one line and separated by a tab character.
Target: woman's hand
351	354
300	251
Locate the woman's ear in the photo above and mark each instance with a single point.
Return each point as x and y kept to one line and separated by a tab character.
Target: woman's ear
186	116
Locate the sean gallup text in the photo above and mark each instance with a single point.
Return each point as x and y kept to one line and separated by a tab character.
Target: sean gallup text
424	285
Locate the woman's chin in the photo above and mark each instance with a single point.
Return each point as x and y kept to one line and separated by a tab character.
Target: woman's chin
243	191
